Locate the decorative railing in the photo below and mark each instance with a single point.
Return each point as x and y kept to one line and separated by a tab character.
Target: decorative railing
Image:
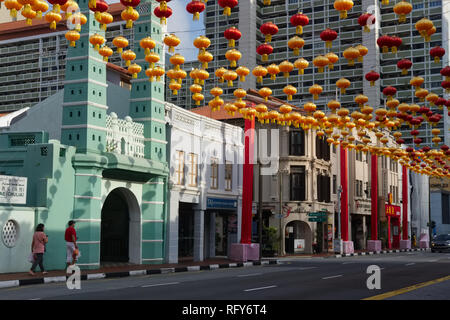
123	136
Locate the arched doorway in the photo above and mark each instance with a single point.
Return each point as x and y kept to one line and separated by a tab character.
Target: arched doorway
298	238
120	239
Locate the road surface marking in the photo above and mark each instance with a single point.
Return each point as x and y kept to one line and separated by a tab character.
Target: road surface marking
433	260
159	284
36	299
348	262
250	274
262	288
305	268
407	289
339	275
410	264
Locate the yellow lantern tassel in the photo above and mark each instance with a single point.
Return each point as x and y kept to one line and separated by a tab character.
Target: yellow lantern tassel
273	77
321	70
265	57
342	90
259	79
233	63
205	65
437	60
299	29
196	16
230	83
179	80
53	25
172	49
57	8
328	44
202	82
385	49
301	71
13	13
343	14
268	38
39	15
366	28
360	59
129	24
29	22
175	92
92	3
105	59
404	72
289	97
130	10
68	15
296	51
103	27
128	63
394	49
331	66
72	43
351	62
231	43
78	27
119	50
286	74
158	78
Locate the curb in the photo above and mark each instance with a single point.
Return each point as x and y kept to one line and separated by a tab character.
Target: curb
377	252
95	276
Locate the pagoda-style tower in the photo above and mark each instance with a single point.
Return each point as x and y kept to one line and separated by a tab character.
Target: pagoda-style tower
84	108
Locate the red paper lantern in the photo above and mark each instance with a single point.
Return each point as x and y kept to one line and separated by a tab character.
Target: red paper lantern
389	92
195	8
163	4
299	20
384	42
264	50
57	4
100	6
415	132
395	43
227	5
440	102
328	36
446	86
446	73
163	15
405	65
437	53
232	35
372	76
365	20
269	29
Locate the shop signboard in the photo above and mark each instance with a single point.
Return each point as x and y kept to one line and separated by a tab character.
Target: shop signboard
393	211
219	203
13	189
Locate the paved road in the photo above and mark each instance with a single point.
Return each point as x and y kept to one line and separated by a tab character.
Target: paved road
295	279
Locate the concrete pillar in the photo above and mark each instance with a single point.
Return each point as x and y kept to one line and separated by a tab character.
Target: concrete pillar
199	227
172	228
212	234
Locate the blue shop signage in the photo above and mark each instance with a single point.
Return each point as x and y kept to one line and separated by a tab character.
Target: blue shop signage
218	203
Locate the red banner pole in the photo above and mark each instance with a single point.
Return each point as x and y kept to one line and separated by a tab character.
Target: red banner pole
374	197
389	232
344	195
405	202
247	183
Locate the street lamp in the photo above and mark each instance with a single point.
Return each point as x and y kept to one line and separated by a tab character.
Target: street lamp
338	241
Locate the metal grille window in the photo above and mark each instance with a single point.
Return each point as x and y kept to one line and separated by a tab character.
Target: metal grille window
10	233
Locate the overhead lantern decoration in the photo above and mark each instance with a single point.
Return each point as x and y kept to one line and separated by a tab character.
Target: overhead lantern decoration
384	42
72	36
239	94
432	98
233	56
104	19
196	93
227	5
289	91
445	72
163	14
259	72
343	84
53	18
286	67
232	35
343	6
363	51
430	33
424	25
389	92
332	59
13	6
147	44
269	29
29	14
157	72
219	74
130	17
351	54
105	52
171	41
265	93
321	62
417	82
202	43
128	56
205	58
120	42
366	20
163	4
264	50
96	40
299	20
230	76
242	72
134	69
98	7
273	70
301	64
57	5
405	65
334	105
216	92
372	76
69	8
402	9
296	43
177	60
328	36
437	53
42	6
203	75
195	8
180	75
421	94
395	43
315	90
361	100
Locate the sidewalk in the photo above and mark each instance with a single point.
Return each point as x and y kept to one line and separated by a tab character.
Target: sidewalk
356	253
124	270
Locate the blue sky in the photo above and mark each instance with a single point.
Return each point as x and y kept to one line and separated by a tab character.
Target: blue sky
184	27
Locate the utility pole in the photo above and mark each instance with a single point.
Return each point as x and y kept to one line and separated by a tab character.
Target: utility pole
260	222
338	242
281	210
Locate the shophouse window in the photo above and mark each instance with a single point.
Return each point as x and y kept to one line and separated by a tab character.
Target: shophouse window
323	188
297	143
180	168
214	173
298	183
193	169
334	184
228	176
322	149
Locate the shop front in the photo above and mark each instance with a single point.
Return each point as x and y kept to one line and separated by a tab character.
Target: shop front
393	214
222	214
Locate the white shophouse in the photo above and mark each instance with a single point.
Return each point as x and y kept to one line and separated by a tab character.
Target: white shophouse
205	188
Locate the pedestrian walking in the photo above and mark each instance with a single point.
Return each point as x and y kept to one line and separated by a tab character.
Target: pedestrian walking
38	249
71	244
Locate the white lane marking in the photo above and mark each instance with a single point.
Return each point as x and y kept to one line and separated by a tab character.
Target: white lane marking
410	264
382	268
159	284
410	253
339	275
262	288
305	268
249	275
433	260
36	299
348	262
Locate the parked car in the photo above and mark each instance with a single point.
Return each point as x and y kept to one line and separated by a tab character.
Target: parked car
440	243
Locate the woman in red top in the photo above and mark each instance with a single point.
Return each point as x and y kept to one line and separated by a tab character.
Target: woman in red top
38	248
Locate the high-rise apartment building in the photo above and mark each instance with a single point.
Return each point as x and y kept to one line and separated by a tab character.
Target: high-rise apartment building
249	15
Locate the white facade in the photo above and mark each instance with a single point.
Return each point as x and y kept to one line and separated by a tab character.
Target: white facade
197	187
